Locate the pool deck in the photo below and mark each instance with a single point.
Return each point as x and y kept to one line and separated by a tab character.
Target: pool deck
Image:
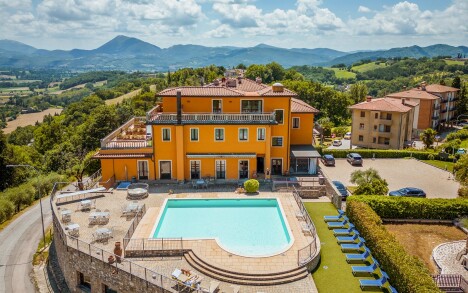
208	250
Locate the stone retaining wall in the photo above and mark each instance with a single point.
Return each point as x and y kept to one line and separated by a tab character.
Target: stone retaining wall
72	262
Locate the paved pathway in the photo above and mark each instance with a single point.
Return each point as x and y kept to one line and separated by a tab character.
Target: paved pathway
18	242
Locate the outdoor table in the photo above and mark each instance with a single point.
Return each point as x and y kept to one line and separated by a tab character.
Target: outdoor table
200	183
98	215
133	207
103	233
66	215
73	227
85	204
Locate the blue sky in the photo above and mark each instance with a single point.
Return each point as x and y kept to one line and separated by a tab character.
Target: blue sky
345	25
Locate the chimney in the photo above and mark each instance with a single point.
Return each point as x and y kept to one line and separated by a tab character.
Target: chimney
277	87
403	101
423	85
216	82
404	87
368	98
258	80
179	107
239	79
223	81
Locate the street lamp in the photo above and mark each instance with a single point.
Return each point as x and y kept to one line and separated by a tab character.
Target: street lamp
39	191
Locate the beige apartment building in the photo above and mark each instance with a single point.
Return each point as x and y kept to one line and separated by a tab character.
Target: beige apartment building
383	123
437	104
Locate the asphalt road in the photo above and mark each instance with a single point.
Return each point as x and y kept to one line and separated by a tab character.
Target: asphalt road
18	242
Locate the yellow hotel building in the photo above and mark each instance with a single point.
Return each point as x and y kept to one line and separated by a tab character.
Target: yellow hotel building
231	129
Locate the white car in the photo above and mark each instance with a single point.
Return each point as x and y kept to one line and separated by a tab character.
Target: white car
337	142
347	135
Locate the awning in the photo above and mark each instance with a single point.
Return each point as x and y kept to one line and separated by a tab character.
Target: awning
304	151
221	155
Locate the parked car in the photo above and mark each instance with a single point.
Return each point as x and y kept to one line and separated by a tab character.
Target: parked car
328	160
408	191
347	135
461	151
337	142
354	159
341	188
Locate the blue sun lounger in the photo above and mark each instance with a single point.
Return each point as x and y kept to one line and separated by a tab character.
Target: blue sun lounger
366	269
334	218
359	257
345	232
352	247
343	224
379	283
349	239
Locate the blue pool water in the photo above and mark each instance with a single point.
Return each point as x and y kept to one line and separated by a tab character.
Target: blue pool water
247	227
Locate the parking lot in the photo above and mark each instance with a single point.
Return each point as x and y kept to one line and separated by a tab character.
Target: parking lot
400	173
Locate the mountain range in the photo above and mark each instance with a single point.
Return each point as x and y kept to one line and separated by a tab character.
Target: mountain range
127	53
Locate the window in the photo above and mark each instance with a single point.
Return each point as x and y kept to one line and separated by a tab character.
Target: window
261	133
243	169
166	134
277	141
361	138
295	122
375	127
143	170
217	106
107	289
279	115
376	116
387	141
361	126
276	166
374	139
251	106
363	114
84	282
219	134
220	169
243	134
193	134
389	116
195	169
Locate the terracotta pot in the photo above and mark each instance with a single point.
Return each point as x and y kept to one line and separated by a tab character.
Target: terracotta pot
111	259
118	250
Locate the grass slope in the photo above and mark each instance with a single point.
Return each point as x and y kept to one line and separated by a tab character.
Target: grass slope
440	164
333	273
342	73
454	62
369	66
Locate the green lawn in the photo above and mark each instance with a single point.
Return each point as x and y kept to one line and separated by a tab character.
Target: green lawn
368	66
454	62
440	164
343	73
333	273
464	144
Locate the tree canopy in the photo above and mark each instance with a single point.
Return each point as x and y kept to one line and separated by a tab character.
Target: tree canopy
369	182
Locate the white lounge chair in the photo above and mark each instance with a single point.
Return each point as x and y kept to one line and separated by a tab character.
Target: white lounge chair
306	228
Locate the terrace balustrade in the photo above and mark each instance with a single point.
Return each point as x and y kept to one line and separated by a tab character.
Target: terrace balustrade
213	118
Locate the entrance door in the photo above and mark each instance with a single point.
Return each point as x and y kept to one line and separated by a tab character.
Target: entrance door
165	169
143	170
260	165
302	165
220	169
276	166
195	169
243	169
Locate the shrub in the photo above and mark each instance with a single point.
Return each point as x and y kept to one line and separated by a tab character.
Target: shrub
463	192
407	273
251	185
368	153
7	209
416	208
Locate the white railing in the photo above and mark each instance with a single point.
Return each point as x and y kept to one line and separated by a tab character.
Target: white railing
164	118
126	144
110	138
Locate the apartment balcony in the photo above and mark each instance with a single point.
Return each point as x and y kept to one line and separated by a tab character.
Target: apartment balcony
443	110
213	118
444	100
435	117
437	107
386	134
385	121
131	135
453	108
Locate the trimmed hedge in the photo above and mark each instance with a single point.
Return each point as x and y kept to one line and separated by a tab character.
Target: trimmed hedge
416	208
369	153
251	185
407	273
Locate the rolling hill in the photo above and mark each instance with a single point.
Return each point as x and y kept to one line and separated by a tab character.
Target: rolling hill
126	53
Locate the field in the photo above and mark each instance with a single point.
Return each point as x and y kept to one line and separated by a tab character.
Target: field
454	62
129	95
420	240
29	119
14	91
80	86
343	73
368	66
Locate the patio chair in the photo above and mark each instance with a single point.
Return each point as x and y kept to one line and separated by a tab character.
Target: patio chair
379	283
352	246
194	184
350	231
306	228
300	215
359	257
350	239
337	218
369	270
343	224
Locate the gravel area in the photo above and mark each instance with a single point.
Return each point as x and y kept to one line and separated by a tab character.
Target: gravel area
445	257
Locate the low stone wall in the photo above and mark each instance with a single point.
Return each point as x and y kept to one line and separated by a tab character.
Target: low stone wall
72	262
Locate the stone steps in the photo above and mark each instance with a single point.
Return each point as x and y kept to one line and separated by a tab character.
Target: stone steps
245	278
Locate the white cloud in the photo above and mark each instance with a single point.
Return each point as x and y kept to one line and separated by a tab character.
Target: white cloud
223	31
364	9
238	15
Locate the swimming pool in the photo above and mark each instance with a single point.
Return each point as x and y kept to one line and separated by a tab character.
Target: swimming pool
246	227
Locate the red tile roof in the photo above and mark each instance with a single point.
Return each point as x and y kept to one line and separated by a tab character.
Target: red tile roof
437	88
246	88
414	94
382	104
298	106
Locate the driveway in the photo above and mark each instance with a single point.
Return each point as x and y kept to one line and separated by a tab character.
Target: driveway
400	173
18	242
344	145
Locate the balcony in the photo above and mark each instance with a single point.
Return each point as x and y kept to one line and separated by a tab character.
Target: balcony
131	135
385	134
213	118
443	110
385	121
435	117
437	107
453	108
444	100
